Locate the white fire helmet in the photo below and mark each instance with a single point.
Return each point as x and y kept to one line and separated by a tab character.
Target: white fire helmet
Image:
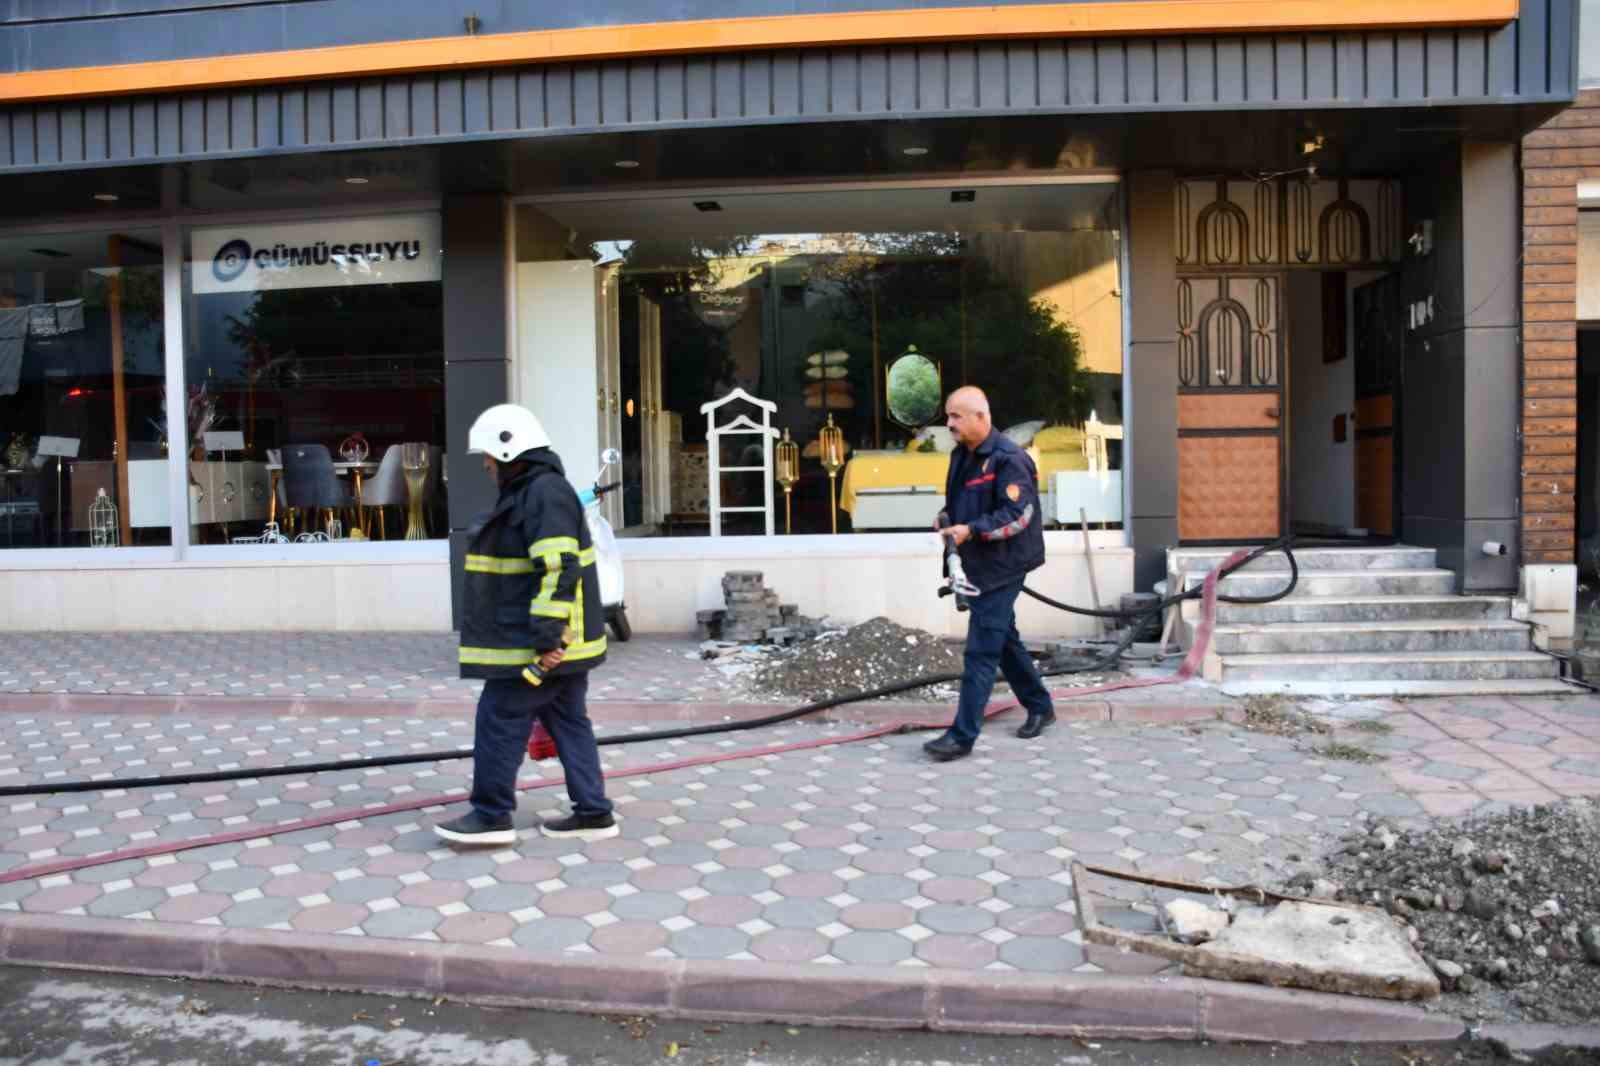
505	431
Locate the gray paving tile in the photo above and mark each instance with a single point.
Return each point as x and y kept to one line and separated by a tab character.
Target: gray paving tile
871	949
708	942
552	934
402	922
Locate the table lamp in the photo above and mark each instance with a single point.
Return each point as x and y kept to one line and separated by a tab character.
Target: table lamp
788	475
830	443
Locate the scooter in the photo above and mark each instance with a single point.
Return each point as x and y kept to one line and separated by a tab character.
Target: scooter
608	559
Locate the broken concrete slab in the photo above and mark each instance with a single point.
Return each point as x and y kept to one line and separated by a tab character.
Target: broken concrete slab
1193	922
1277	940
1328	947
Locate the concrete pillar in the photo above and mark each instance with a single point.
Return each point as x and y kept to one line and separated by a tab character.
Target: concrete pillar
1150	450
1459	381
476	354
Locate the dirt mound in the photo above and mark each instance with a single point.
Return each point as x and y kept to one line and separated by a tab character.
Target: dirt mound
1506	907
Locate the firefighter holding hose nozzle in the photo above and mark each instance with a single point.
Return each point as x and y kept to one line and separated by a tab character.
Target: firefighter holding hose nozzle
533	628
992	522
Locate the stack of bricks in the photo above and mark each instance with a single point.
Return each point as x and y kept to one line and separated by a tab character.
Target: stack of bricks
752	612
1555	159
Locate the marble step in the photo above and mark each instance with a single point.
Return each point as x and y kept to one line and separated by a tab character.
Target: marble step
1341	583
1374	609
1389	666
1400	557
1425	635
1516	686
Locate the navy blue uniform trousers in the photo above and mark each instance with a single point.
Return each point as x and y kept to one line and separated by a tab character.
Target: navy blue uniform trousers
993	645
506	711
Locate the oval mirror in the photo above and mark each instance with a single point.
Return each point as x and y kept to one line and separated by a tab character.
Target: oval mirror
610	457
914	389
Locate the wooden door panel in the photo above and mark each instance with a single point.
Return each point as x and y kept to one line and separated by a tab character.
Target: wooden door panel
1229	410
1228	487
1375	484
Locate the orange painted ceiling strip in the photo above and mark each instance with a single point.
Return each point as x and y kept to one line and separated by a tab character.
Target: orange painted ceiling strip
1097	18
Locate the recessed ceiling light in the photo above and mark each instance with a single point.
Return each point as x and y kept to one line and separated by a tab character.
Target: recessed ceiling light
707	205
626	164
355	181
107	197
914	150
51	252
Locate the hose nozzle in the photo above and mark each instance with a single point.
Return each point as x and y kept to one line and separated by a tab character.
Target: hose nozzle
958	581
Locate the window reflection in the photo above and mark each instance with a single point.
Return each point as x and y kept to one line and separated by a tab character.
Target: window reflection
873	328
81	390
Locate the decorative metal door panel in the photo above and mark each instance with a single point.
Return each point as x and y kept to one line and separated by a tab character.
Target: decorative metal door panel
1230	407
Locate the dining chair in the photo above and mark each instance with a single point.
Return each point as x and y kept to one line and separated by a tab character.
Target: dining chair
310	482
387	487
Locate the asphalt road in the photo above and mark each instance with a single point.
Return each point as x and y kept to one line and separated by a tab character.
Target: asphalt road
61	1018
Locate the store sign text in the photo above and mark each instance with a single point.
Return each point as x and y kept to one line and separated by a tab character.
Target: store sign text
383	251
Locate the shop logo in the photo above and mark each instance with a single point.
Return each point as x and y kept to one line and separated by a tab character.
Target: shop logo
231	260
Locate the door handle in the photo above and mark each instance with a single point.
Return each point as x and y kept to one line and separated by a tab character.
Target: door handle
1273	412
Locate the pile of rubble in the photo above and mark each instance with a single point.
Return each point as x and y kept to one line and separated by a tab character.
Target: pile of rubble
867	656
1505	908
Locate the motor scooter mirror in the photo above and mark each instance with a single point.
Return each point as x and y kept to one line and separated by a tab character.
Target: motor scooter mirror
610	457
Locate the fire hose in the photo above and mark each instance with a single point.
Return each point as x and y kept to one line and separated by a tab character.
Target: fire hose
1206	592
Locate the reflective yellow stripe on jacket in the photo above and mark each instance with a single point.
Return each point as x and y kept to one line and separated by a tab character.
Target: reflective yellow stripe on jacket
549	550
498	564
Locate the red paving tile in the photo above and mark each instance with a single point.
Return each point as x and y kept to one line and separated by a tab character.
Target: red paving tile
1448	804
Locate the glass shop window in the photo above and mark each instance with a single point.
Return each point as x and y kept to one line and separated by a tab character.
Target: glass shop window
855	335
315	377
82	376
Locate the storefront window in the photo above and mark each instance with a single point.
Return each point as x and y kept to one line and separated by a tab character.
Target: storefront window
315	374
82	438
870	329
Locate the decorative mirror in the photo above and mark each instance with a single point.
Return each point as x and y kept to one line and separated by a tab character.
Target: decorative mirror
915	389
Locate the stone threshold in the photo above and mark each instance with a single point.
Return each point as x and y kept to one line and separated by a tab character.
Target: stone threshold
1080	1005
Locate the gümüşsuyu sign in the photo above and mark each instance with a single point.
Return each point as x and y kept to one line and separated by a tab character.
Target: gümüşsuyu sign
384	250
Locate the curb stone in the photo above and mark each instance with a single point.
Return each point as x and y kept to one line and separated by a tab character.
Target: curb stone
1081	1005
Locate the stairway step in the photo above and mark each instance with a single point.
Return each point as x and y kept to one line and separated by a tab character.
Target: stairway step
1398	557
1314	583
1390	666
1426	635
1374	609
1516	686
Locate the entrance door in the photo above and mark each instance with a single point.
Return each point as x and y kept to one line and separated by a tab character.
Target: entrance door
1378	347
1230	407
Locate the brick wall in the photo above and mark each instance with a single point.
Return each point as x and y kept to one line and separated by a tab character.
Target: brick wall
1563	152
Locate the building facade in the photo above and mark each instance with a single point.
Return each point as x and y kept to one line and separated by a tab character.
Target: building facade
1227	273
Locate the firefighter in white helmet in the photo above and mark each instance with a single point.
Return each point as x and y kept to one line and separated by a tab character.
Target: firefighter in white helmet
532	628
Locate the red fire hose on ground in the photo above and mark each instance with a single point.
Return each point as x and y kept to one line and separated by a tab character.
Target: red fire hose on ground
1207	593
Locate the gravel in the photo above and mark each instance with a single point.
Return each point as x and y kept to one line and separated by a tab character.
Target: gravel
1505	907
868	656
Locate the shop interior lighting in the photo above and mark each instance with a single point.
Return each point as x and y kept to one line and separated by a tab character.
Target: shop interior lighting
963	196
107	197
707	205
914	150
626	164
355	181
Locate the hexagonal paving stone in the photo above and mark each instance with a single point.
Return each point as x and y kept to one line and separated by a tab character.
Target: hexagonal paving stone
364	889
552	934
800	913
501	899
789	945
629	938
708	942
871	948
402	922
952	918
1038	954
256	913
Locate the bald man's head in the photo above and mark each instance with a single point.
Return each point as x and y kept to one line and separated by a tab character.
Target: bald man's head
966	412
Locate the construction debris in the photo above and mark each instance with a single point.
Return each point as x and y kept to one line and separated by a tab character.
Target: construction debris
753	614
1255	935
1506	907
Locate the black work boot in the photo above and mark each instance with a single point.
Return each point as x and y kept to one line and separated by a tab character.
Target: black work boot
586	827
945	749
475	829
1036	724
